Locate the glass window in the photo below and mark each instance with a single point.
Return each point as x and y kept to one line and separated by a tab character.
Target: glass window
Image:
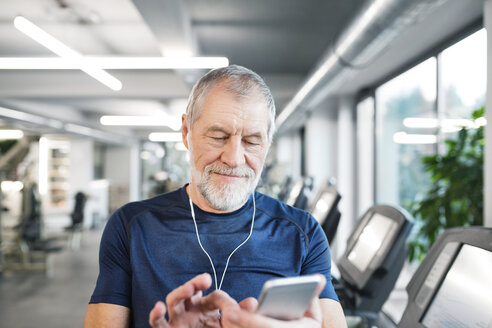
400	102
365	154
462	75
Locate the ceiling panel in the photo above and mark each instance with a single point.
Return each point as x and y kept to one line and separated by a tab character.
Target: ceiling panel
280	39
270	36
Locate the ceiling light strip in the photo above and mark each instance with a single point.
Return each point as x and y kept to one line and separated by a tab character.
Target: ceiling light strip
62	50
21	116
11	134
158	62
414	139
113	62
132	120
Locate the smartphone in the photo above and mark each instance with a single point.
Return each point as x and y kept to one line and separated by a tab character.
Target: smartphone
287	298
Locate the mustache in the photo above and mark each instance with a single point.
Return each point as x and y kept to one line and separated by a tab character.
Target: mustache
243	171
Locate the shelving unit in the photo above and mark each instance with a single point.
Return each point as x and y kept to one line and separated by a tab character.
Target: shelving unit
58	173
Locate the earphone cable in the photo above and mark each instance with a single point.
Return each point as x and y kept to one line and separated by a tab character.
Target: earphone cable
230	255
244	242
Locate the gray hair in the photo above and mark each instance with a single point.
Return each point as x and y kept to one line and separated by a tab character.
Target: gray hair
240	81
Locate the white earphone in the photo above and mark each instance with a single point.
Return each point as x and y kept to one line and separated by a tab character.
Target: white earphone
228	258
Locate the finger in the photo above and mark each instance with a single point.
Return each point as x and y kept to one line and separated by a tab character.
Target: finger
175	299
193	300
249	304
232	317
156	316
314	310
218	299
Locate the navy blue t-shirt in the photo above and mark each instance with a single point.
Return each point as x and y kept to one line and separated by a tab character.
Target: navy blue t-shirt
150	247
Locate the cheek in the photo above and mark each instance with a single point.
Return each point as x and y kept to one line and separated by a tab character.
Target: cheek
203	152
206	157
255	160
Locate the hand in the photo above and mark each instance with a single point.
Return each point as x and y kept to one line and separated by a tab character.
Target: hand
244	317
185	306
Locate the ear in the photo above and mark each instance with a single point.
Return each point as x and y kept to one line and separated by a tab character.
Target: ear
184	131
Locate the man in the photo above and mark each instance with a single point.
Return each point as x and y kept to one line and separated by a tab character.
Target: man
156	249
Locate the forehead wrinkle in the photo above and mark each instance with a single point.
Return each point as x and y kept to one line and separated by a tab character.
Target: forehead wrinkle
232	117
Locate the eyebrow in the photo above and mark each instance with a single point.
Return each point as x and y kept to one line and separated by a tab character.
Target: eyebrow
216	128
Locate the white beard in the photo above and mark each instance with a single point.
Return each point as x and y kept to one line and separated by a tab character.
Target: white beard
225	196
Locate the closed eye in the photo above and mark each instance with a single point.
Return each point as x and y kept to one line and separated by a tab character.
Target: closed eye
253	140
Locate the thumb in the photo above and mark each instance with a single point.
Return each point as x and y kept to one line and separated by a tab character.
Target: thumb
156	316
249	304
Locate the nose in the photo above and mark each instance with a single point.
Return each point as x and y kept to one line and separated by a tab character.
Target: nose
233	154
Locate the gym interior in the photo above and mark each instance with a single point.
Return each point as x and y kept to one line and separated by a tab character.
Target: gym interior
382	134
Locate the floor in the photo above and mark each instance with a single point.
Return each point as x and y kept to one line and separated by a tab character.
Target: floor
34	300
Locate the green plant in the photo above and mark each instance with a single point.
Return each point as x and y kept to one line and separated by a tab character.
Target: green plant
456	195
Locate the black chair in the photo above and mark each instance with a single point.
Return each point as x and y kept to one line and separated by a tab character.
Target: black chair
452	286
375	254
77	225
324	209
30	250
77	214
30	226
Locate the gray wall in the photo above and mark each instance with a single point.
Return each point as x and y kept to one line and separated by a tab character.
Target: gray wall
321	143
488	129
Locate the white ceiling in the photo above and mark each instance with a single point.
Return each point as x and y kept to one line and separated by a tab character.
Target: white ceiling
280	39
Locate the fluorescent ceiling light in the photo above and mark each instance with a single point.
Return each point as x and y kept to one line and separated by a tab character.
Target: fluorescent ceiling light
159	62
457	123
62	50
481	121
18	115
30	118
447	124
404	138
165	137
44	38
43	166
52	123
102	76
121	120
113	62
11	134
420	122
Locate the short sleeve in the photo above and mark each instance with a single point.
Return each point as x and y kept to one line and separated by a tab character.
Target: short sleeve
114	280
318	259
